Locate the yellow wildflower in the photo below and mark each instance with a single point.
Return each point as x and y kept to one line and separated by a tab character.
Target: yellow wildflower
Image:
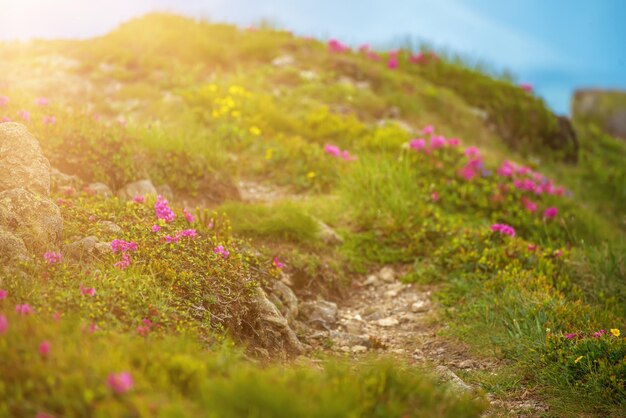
255	131
268	153
578	359
310	175
615	332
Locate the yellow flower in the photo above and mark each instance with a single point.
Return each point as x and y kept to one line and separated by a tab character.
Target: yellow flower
615	332
578	359
268	153
310	175
235	114
212	88
255	131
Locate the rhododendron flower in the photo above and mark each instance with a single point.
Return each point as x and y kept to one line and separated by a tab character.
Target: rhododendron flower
188	216
143	330
503	229
3	294
156	228
162	209
333	150
277	263
529	205
52	257
120	382
42	101
417	144
526	87
44	348
23	309
615	332
221	250
472	152
43	415
4	100
5	119
87	291
550	213
507	169
392	64
24	115
373	56
56	316
600	333
190	233
93	327
170	239
434	196
139	199
49	120
437	142
336	46
532	247
454	142
124	263
428	129
571	336
364	48
347	157
4	324
121	246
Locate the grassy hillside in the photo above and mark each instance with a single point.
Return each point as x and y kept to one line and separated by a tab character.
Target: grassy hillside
462	181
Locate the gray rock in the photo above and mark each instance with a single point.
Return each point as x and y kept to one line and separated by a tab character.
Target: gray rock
100	189
11	247
358	349
275	324
390	321
33	218
320	312
110	227
372	280
165	191
22	163
455	381
419	306
386	274
327	234
61	181
86	248
288	301
137	188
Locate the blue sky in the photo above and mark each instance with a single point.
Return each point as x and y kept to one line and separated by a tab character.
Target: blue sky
556	45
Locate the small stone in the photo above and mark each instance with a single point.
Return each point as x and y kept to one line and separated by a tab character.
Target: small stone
466	364
386	274
321	312
454	380
108	226
358	349
419	306
389	294
388	322
371	280
99	189
354	327
137	188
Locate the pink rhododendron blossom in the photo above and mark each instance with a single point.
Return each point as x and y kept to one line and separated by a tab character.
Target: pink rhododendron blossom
428	130
278	264
392	64
5	119
24	309
139	199
337	47
24	115
49	120
529	205
43	415
121	246
454	142
188	216
373	56
222	251
155	228
363	49
162	210
417	144
172	238
120	382
44	348
532	247
53	257
472	152
345	155
143	330
4	324
507	169
600	333
4	100
189	233
124	263
503	229
437	141
42	101
550	213
526	87
333	150
434	196
3	294
56	316
87	291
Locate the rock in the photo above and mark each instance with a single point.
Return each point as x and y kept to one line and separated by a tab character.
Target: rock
353	327
165	191
345	339
11	247
86	248
288	302
454	380
99	189
465	364
61	181
22	163
372	280
419	306
137	188
390	321
33	218
386	274
327	234
320	312
275	326
358	349
109	227
373	313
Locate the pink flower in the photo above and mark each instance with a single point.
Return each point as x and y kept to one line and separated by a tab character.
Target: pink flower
24	309
87	291
93	327
120	382
472	152
56	316
526	87
600	333
52	257
221	250
42	101
454	142
532	247
373	56
503	229
417	144
24	115
121	246
507	169
364	48
277	263
44	348
4	324
170	239
139	199
190	233
49	120
4	100
337	47
437	141
550	213
188	216
5	119
428	129
345	155
392	64
143	330
162	210
124	263
529	204
333	150
156	228
571	336
3	294
434	196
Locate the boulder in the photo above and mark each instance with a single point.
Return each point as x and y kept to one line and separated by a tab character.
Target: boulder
137	188
34	219
275	325
99	189
60	181
22	163
11	247
86	248
319	312
287	302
